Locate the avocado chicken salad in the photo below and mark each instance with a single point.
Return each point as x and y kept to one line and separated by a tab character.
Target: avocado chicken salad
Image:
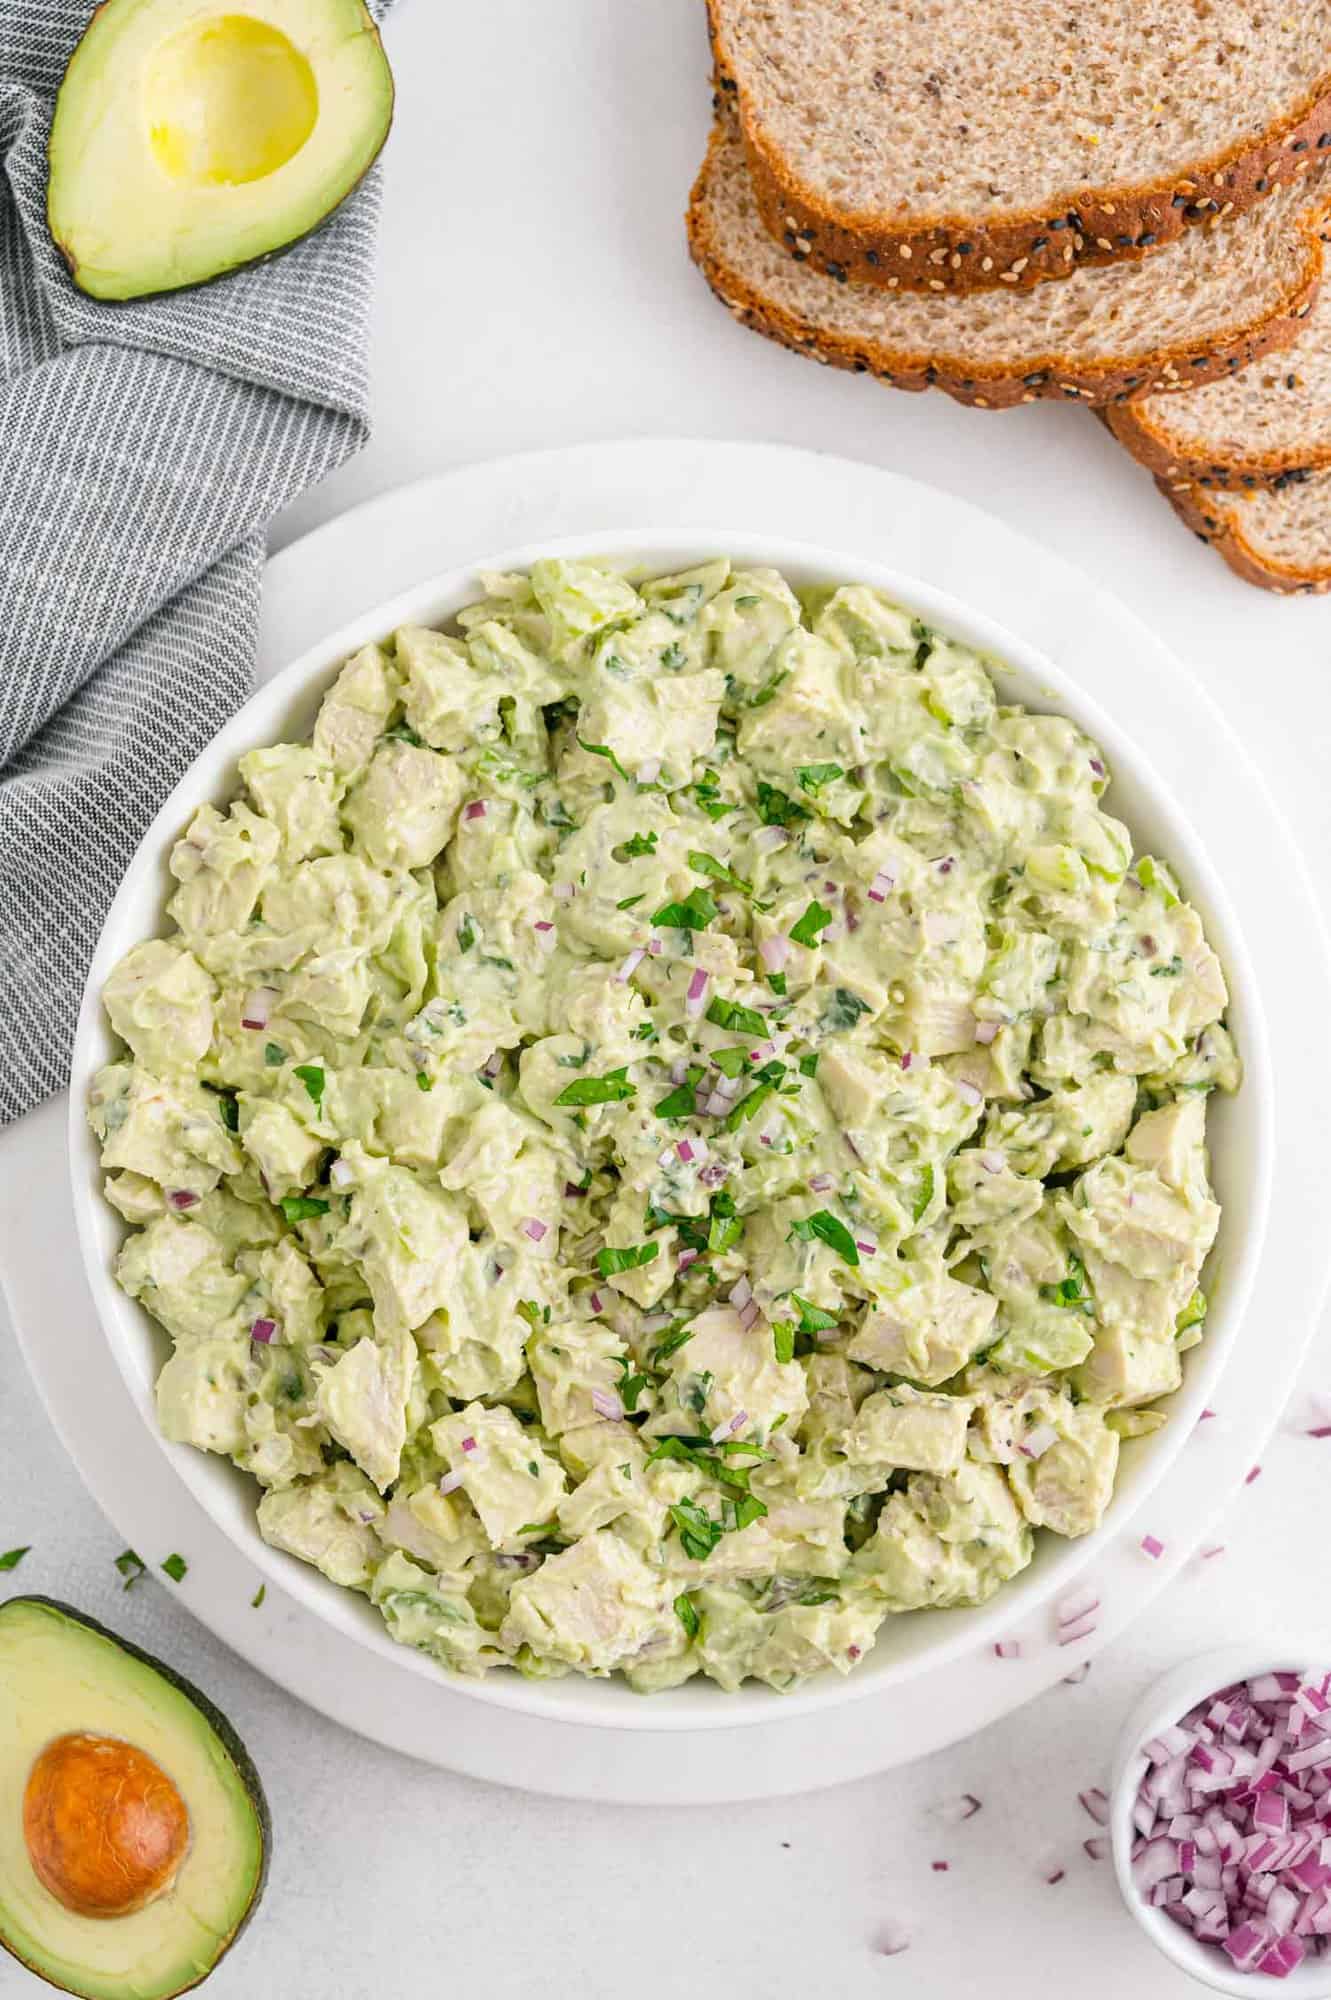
670	1130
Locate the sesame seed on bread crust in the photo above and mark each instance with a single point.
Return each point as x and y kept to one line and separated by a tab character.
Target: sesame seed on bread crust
1281	541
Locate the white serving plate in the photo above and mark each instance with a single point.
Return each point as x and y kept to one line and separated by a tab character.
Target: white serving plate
944	1686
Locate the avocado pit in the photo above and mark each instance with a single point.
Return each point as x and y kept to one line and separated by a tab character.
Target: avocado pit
105	1827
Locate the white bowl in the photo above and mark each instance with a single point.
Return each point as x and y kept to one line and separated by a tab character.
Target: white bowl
1241	1139
1164	1703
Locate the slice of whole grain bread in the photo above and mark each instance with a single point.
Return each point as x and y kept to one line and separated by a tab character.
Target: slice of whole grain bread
1278	540
1222	298
932	145
1267	426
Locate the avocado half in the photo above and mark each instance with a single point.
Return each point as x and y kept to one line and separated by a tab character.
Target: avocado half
134	1834
190	138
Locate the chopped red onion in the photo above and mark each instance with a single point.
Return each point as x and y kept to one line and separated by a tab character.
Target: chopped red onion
1078	1675
258	1006
892	1940
572	1192
740	1293
182	1198
1234	1834
564	892
474	809
596	1302
1008	1649
1256	1473
1055	1875
820	1183
986	1031
730	1427
866	1246
884	882
774	951
450	1482
1216	1549
1097	1846
630	966
469	1444
993	1163
543	924
1096	1803
684	1148
717	1105
1038	1441
654	947
607	1404
953	1811
493	1063
341	1173
968	1093
748	1315
697	993
649	770
685	1258
908	1059
940	1867
537	1230
264	1331
1152	1547
768	838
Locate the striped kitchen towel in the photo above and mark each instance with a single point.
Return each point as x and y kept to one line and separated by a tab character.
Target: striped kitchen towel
143	450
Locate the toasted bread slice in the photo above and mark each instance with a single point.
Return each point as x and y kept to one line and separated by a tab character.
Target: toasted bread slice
1221	299
930	145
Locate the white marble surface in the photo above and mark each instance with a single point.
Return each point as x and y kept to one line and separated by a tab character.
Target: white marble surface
535	291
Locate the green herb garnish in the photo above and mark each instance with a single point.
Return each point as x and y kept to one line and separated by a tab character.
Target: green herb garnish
176	1568
612	1088
693	914
274	1055
13	1557
813	777
828	1230
313	1079
814	920
131	1567
608	1261
707	864
728	1014
604	750
687	1614
641	843
680	1102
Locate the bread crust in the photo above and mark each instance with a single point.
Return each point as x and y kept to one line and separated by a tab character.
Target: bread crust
955	253
1196	509
986	387
1270	471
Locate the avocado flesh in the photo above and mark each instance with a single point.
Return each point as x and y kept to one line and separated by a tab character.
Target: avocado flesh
190	138
60	1672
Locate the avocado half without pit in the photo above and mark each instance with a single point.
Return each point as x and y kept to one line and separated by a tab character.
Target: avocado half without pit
190	139
133	1829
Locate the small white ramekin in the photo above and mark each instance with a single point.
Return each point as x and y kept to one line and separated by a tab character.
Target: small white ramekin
1166	1701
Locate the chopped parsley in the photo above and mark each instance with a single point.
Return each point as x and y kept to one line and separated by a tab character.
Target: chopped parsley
131	1567
682	1099
812	1318
229	1111
466	933
783	1339
778	808
608	1261
777	982
176	1568
640	843
258	1597
604	750
313	1079
843	1011
707	864
424	1082
813	777
816	918
630	902
670	1343
274	1055
13	1557
924	1192
1073	1292
612	1088
698	1532
708	794
693	914
828	1230
1173	970
744	1020
687	1614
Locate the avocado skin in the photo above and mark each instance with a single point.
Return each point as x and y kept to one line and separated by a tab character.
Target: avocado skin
216	1721
243	263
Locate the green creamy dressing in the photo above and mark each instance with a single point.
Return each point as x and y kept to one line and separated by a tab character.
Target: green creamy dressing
670	1129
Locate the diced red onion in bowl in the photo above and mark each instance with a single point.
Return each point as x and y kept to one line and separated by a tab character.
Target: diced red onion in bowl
608	1405
450	1482
258	1006
969	1094
774	951
697	993
264	1331
1233	1822
986	1031
534	1228
183	1198
474	809
630	966
884	882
